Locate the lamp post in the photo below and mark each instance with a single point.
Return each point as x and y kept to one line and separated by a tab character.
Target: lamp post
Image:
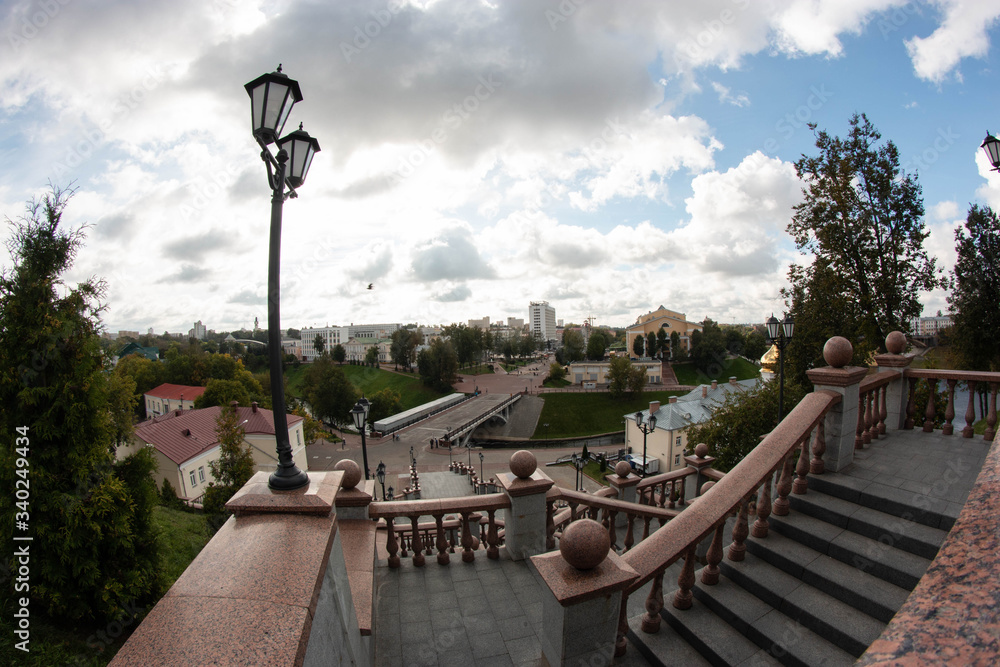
380	476
576	473
468	447
272	97
992	147
413	459
360	415
392	493
579	463
780	333
481	457
646	427
449	453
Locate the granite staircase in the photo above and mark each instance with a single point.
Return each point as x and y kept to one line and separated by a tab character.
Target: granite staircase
818	590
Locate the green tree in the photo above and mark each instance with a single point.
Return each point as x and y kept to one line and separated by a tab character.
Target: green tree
573	346
651	344
145	373
339	353
708	348
636	380
371	355
329	392
557	372
403	346
975	294
438	365
754	345
312	429
663	343
384	403
223	392
737	424
862	219
619	376
93	556
233	468
639	345
596	346
319	344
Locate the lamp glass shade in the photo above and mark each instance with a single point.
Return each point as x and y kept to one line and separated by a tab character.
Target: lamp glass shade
772	327
788	327
300	148
391	494
992	147
365	404
272	97
358	415
638	418
652	422
380	474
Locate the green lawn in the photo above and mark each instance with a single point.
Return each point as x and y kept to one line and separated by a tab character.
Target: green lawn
576	414
369	380
182	537
479	369
740	367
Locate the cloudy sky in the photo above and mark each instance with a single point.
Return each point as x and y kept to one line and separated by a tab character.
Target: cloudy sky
605	157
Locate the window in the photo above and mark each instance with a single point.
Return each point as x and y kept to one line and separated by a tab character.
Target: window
298	437
191	475
201	474
677	459
678	443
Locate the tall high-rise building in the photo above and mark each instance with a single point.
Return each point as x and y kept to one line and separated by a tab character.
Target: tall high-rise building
542	319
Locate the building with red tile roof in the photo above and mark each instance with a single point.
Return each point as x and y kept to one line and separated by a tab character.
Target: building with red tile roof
169	397
185	441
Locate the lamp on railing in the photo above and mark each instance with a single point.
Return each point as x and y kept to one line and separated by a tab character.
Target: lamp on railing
468	446
391	493
992	147
578	464
413	459
646	428
780	334
380	476
360	415
272	97
481	457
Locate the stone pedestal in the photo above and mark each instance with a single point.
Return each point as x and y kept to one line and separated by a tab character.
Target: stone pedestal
841	424
625	485
524	530
897	392
699	461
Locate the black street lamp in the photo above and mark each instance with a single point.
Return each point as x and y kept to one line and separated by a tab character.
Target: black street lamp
360	415
413	459
449	453
271	99
481	457
780	334
380	476
992	147
648	427
391	493
579	462
468	446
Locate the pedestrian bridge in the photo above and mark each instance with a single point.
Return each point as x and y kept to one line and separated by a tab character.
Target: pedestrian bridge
455	426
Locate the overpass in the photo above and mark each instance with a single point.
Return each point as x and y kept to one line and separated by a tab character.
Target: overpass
456	425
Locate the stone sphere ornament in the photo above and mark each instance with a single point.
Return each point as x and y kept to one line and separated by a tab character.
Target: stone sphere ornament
701	450
523	464
352	473
585	544
838	352
623	469
895	342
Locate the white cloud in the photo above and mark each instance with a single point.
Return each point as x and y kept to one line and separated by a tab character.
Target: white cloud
726	96
963	33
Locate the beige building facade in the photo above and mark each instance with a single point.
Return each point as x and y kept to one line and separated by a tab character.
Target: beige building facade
661	318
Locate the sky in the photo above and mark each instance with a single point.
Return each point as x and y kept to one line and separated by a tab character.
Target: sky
608	158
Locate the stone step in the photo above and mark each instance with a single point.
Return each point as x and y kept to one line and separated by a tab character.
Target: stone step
715	640
844	625
666	644
917	507
798	539
899	532
789	641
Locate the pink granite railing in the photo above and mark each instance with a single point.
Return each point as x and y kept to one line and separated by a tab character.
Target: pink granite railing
417	539
792	451
427	531
872	410
972	379
600	507
653	489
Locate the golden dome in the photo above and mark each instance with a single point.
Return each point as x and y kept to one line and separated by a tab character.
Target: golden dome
769	362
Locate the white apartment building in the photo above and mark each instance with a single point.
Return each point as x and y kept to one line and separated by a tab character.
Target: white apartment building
542	319
929	326
341	335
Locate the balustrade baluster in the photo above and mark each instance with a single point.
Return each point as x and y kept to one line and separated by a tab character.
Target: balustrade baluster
816	466
404	543
629	536
970	411
663	494
654	603
680	493
390	542
673	494
604	518
760	526
645	526
442	544
493	538
613	530
710	573
801	483
685	582
416	544
931	412
738	548
467	554
911	406
621	643
949	412
883	412
869	416
572	511
550	524
991	416
859	434
780	507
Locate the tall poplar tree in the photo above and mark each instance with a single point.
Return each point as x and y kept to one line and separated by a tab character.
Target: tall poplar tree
975	294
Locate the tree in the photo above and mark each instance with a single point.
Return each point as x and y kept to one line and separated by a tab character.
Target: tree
371	355
975	293
329	392
404	343
754	345
573	346
619	376
677	353
708	348
651	344
233	468
319	344
636	380
93	555
384	403
312	429
596	346
438	365
639	345
737	424
145	373
862	219
339	353
662	343
557	372
223	392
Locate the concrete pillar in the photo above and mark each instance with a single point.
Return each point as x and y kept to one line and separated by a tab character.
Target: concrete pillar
624	481
526	486
898	391
841	422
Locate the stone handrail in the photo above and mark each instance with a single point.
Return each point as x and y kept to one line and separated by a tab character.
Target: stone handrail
647	494
465	506
952	378
605	509
707	514
872	411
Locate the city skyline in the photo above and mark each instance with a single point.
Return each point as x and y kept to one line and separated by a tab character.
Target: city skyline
604	158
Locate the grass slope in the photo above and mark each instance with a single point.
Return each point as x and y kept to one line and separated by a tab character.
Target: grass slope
182	537
370	380
740	367
576	414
